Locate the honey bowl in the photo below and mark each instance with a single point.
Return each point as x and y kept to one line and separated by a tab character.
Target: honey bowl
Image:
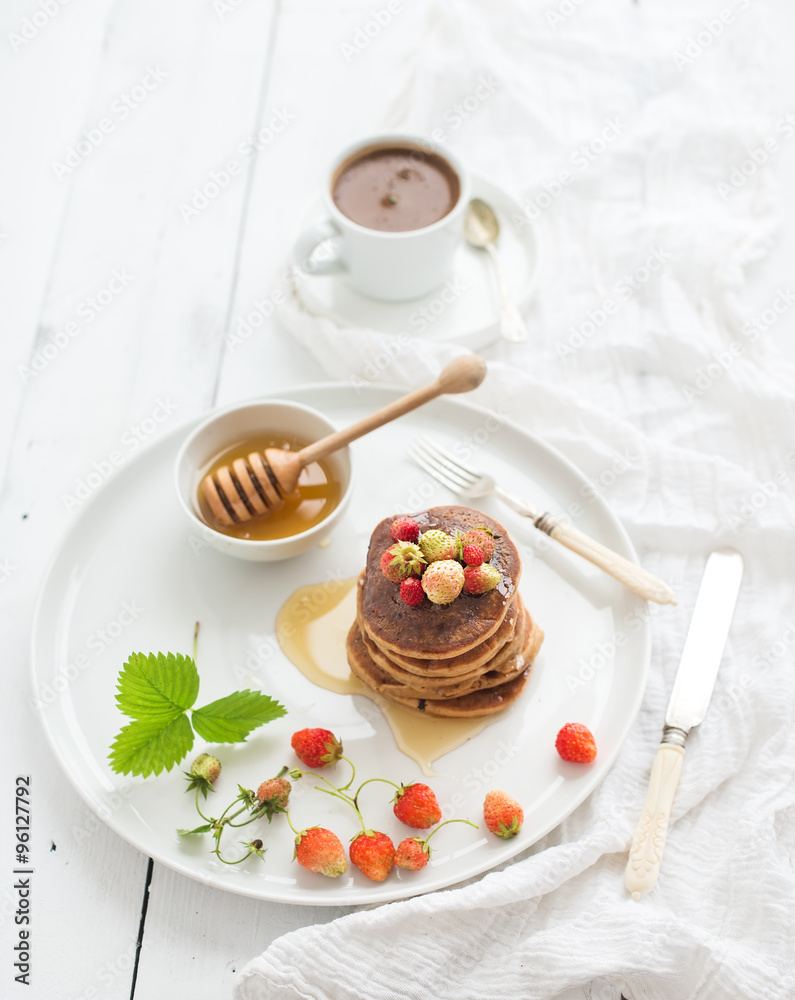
308	515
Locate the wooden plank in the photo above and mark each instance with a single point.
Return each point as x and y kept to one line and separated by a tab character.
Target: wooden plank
38	120
212	933
147	292
335	97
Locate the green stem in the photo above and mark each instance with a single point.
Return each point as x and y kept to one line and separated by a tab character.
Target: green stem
353	773
345	798
195	640
336	794
207	819
445	824
386	781
290	822
223	860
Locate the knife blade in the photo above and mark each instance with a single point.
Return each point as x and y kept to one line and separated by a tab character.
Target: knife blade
693	686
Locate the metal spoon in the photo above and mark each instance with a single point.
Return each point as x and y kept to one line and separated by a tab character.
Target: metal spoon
481	229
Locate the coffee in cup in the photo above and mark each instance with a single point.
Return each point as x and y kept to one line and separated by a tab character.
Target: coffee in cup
395	188
395	207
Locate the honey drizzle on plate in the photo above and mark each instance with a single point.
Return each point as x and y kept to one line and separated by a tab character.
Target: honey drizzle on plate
312	626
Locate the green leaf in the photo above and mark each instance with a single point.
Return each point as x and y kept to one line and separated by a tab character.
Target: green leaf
148	746
205	828
157	686
231	719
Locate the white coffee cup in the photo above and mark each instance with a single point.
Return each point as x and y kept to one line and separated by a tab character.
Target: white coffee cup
393	266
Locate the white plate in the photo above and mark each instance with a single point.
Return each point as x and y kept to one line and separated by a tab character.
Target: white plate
128	577
471	316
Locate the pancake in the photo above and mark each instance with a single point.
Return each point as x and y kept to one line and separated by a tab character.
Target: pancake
385	684
483	701
501	662
464	663
436	631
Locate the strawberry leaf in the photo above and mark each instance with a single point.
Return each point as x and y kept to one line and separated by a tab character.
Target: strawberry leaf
231	719
148	746
158	686
204	828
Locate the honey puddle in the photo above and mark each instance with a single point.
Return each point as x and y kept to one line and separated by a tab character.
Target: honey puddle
312	626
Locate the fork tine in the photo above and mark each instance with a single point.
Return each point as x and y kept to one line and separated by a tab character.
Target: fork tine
444	468
445	458
434	471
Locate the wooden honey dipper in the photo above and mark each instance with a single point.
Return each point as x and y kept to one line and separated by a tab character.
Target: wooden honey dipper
253	486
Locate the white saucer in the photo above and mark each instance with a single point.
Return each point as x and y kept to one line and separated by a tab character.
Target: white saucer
472	317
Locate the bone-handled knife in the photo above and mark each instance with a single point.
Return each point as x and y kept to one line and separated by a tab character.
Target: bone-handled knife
695	680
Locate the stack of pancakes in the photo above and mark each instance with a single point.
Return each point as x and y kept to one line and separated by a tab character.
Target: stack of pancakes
468	658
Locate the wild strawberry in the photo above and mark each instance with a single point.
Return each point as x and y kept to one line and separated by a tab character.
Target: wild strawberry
442	581
405	529
416	805
503	815
482	537
373	853
206	767
473	555
411	591
481	579
401	560
273	795
575	742
437	545
203	773
316	747
412	854
319	850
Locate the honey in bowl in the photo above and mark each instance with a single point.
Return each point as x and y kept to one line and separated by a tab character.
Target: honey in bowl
318	492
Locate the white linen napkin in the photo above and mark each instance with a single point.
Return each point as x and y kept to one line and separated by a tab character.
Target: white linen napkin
640	349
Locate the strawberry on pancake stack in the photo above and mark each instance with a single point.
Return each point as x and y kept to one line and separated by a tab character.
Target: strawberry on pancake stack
440	625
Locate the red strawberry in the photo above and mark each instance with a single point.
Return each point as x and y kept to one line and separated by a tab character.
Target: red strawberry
316	747
481	579
401	560
438	545
442	581
503	815
482	537
412	854
273	795
405	529
373	853
411	591
473	555
575	742
416	805
319	850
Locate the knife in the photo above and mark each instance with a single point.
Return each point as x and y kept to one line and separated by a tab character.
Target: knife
695	679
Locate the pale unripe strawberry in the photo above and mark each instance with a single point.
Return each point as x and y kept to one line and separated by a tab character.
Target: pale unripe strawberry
443	581
481	579
207	767
437	545
478	536
275	791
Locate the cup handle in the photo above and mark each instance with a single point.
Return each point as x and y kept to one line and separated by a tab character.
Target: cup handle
307	243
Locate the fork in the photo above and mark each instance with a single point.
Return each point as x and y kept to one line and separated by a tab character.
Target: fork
472	484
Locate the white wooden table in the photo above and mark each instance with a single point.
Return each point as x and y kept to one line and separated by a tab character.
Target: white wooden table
126	263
